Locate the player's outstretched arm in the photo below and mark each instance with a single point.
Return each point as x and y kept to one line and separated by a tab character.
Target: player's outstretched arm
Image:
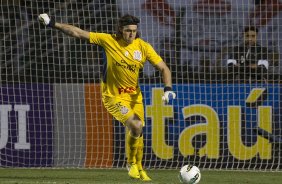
65	28
166	74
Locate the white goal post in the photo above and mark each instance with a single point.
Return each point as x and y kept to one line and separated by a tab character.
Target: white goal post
50	102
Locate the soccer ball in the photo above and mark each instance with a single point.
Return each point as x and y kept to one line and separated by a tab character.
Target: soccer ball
189	174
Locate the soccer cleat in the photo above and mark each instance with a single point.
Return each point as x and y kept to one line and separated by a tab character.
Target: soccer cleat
133	171
144	176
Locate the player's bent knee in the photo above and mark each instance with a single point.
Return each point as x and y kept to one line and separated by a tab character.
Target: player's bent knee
135	126
136	130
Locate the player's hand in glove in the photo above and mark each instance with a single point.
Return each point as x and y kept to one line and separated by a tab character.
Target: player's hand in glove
168	94
46	20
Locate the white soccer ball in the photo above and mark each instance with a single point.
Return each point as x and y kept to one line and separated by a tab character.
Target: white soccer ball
189	174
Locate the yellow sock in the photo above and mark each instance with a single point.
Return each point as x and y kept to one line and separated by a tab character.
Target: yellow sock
132	145
139	155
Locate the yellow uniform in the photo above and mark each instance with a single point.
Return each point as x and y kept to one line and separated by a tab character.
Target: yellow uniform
120	90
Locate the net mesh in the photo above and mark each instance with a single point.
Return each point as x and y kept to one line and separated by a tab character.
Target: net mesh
51	109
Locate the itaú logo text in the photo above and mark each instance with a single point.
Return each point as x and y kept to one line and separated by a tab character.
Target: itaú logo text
158	112
21	111
126	90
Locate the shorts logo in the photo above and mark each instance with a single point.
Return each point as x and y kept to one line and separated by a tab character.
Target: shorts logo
124	110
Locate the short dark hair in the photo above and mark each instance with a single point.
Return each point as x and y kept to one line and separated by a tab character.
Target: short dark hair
128	20
250	28
124	21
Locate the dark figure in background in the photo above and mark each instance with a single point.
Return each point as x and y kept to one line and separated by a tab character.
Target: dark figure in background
248	62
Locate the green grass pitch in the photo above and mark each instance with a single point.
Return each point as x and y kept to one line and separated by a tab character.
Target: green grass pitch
119	176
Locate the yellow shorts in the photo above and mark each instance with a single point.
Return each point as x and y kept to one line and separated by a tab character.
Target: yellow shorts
122	110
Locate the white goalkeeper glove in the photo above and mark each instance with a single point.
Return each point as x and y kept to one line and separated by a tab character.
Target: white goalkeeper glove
168	94
46	20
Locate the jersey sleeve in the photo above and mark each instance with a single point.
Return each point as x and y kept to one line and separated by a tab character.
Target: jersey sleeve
97	38
152	55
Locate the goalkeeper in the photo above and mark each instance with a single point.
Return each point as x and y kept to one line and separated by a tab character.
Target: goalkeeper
125	54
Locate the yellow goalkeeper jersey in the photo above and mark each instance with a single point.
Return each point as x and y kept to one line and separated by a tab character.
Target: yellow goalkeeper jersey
122	63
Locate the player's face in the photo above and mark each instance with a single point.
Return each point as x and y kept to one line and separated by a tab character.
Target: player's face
250	38
129	33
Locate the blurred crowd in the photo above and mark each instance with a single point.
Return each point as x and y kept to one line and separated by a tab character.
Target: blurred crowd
193	37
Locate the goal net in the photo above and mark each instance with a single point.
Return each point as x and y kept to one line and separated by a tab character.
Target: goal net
223	117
